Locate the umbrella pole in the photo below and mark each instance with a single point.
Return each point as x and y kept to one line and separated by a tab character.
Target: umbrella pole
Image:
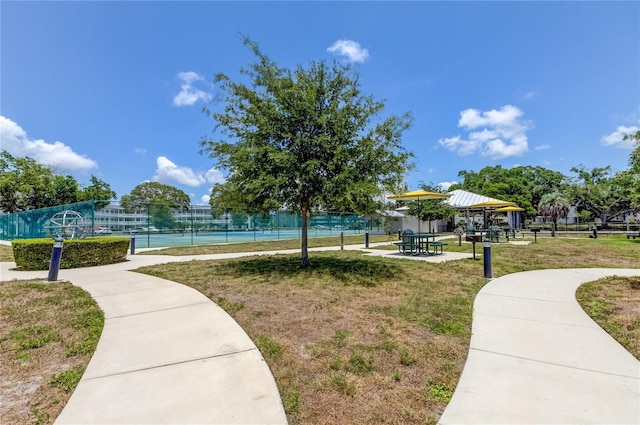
419	212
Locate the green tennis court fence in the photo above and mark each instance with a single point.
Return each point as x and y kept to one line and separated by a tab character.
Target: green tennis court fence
161	225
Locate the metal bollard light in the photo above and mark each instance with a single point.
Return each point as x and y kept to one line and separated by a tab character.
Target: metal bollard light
56	256
366	239
487	258
341	241
132	245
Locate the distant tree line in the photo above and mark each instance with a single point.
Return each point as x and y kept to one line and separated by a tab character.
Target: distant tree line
595	193
27	185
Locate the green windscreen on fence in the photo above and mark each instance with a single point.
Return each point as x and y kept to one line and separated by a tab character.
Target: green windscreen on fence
159	225
47	222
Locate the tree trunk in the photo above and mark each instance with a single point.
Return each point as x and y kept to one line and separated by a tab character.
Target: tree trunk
305	254
603	220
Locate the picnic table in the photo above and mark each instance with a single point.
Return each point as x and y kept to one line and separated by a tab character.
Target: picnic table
493	233
419	243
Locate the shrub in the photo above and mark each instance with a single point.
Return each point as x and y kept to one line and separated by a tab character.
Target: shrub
35	254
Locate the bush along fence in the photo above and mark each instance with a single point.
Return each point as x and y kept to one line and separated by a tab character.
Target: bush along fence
35	254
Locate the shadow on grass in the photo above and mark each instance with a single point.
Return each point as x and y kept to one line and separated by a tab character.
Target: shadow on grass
348	271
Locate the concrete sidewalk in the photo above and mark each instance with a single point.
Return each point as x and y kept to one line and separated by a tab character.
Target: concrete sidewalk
537	358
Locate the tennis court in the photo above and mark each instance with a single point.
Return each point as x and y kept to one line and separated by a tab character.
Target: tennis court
157	240
196	226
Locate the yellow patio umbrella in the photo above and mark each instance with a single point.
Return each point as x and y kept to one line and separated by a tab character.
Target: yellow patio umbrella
494	203
510	208
418	195
490	205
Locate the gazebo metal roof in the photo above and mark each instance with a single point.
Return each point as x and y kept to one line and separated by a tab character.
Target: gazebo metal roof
463	199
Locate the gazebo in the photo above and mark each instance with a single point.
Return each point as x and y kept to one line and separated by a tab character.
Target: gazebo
466	202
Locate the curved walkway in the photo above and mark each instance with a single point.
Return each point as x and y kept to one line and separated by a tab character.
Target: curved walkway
168	354
537	358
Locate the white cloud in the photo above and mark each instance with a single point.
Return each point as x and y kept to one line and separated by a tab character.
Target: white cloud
617	137
542	147
446	185
505	117
205	199
349	49
214	176
168	172
141	151
499	133
463	147
14	140
189	94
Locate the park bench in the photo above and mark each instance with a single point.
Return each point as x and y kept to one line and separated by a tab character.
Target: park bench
437	248
407	247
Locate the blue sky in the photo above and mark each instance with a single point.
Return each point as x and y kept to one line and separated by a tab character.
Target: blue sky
116	89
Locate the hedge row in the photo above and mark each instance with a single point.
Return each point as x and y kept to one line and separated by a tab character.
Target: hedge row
35	254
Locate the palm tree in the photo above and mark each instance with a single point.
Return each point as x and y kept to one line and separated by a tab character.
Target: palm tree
554	206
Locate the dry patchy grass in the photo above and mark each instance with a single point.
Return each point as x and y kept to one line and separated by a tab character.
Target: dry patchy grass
358	339
614	303
6	253
48	333
352	340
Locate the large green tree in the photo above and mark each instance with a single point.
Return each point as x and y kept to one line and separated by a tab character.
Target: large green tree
633	175
524	185
27	185
306	139
603	193
159	200
98	191
634	157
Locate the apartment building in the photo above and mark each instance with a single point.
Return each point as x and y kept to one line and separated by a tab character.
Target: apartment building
114	217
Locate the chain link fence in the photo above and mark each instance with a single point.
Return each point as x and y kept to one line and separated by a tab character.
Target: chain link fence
159	225
48	222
